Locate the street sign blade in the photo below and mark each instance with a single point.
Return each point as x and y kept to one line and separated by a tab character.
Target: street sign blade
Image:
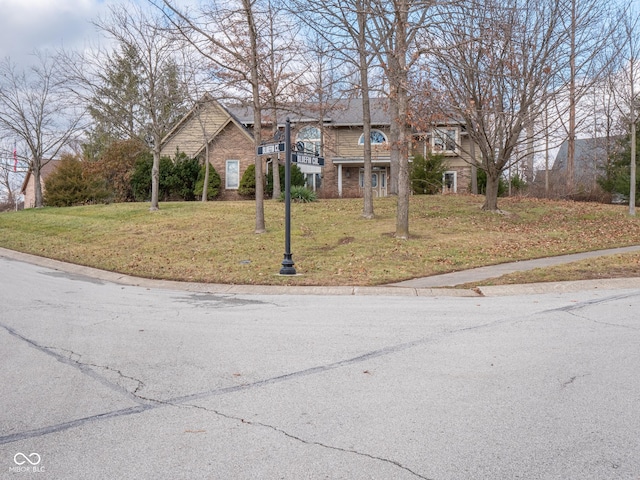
307	159
271	148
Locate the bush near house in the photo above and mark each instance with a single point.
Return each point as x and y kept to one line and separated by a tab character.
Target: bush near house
116	165
301	194
616	176
426	174
183	177
297	178
141	178
177	180
247	187
518	184
213	190
248	181
73	183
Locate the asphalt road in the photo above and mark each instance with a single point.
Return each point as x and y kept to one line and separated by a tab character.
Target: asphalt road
109	381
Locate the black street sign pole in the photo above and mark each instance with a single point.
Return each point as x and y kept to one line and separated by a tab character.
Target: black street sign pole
287	263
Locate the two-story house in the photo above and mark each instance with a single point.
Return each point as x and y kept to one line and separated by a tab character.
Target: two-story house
333	132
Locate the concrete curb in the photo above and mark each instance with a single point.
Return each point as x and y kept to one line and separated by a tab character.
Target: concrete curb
410	288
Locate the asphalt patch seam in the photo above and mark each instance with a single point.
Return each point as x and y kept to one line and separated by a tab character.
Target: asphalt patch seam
146	403
588	303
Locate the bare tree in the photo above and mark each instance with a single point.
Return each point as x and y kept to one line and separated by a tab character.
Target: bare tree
11	175
228	35
153	98
496	65
202	95
279	71
345	27
396	25
589	50
630	95
35	109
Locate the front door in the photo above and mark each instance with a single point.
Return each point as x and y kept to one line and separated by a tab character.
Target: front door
378	181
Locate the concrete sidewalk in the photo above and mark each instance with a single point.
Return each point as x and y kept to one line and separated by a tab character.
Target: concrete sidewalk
494	271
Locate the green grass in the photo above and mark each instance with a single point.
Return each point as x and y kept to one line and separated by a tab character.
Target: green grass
331	243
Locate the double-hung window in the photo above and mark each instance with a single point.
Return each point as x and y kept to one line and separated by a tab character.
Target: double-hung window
444	140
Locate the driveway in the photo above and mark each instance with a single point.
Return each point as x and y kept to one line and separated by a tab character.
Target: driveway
111	381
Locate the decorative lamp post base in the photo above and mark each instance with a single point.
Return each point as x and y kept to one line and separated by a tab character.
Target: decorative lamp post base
287	265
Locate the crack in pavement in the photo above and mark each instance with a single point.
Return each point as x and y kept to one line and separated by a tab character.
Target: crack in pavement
572	309
566	383
300	439
72	358
146	403
85	368
589	303
140	383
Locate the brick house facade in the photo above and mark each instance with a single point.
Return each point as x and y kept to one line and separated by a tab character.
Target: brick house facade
337	137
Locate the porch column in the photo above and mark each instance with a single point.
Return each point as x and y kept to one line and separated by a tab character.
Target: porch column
340	180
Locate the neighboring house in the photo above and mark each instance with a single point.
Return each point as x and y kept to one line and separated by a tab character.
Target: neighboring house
335	134
590	159
29	185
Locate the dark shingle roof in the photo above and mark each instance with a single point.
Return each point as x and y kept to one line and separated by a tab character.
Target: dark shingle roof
347	112
591	154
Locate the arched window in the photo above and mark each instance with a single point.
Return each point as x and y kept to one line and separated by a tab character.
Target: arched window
309	140
377	138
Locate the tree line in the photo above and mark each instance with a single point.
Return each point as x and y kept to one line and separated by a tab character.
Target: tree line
513	73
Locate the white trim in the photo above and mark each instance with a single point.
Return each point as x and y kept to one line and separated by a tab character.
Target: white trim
444	137
361	138
453	188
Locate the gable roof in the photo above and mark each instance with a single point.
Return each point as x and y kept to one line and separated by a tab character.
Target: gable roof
590	154
206	101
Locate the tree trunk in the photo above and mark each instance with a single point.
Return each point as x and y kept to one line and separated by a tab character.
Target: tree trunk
401	82
257	122
155	177
474	169
394	152
633	164
634	125
571	145
205	186
207	165
257	114
275	163
491	195
367	210
37	185
402	216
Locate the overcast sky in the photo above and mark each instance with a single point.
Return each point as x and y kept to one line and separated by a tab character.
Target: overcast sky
26	25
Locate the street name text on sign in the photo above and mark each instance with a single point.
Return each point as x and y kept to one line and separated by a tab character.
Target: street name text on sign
307	159
271	148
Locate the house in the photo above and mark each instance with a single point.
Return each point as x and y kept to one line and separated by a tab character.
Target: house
28	188
333	132
590	159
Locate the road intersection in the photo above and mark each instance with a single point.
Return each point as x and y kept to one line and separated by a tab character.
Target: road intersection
111	379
